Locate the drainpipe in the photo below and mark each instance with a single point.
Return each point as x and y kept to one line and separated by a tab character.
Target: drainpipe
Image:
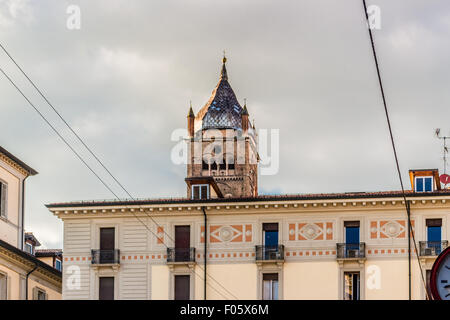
409	248
205	250
22	231
26	281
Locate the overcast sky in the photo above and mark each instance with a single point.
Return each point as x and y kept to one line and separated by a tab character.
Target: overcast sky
125	78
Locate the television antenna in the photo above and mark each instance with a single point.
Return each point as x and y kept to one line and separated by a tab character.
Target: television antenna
438	135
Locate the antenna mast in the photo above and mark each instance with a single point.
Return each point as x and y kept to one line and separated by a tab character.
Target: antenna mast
445	149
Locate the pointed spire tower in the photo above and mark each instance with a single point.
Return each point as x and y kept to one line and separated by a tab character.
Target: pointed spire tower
232	166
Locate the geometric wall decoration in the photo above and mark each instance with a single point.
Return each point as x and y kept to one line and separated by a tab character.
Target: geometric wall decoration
311	231
389	229
228	233
160	235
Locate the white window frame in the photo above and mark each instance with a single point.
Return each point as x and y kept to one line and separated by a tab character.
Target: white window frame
4	196
31	246
60	264
4	296
200	193
36	291
359	283
271	286
423	177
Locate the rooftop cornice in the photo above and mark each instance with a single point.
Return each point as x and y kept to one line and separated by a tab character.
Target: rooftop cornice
261	207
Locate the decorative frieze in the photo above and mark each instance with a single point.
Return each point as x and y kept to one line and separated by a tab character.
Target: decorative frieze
311	231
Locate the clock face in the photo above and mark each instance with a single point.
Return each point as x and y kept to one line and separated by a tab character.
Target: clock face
440	278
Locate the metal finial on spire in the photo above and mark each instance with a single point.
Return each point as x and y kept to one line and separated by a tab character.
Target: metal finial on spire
223	73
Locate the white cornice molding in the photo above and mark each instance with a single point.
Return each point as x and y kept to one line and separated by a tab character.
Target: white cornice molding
260	207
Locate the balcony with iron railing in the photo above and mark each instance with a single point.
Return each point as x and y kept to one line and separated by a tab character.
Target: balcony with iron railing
351	251
105	257
180	255
270	253
432	248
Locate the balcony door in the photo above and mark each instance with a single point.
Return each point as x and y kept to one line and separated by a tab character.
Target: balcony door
351	286
351	238
107	238
270	238
434	235
107	245
182	242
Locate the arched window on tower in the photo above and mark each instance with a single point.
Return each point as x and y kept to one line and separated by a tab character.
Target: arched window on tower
223	165
230	161
205	165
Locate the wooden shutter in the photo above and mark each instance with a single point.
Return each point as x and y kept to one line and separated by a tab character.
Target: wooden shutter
204	192
196	192
107	238
106	288
182	287
182	236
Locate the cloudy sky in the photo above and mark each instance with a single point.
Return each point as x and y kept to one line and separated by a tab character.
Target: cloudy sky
125	78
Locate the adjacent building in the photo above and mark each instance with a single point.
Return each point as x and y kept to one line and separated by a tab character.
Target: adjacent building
225	241
22	275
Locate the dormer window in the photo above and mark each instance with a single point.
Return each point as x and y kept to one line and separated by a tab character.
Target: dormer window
424	184
29	248
425	180
200	191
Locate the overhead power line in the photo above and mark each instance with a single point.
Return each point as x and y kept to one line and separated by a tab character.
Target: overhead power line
93	154
407	206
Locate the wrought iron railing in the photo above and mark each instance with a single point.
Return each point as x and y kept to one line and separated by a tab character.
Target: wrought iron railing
105	256
180	254
432	248
351	250
264	253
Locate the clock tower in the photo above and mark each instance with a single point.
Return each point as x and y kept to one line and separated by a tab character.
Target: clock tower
222	146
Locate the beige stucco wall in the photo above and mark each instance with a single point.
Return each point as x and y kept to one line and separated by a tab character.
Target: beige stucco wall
13	282
393	275
316	275
51	294
238	279
9	227
47	260
311	280
160	282
16	286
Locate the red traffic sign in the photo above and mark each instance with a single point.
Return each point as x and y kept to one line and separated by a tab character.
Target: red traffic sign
445	178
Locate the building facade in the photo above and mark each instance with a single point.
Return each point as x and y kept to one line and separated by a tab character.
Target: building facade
22	275
224	241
